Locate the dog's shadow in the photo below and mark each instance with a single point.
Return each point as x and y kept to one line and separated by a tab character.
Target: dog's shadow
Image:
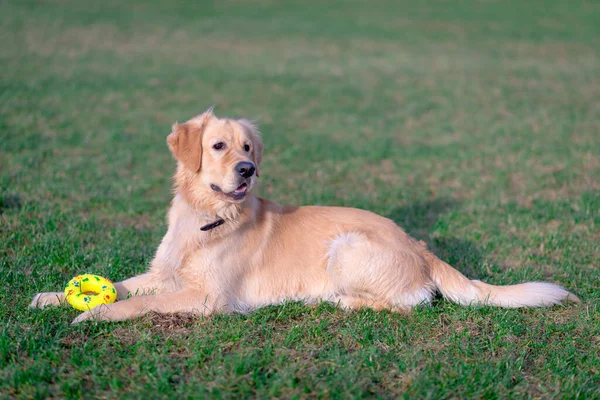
419	219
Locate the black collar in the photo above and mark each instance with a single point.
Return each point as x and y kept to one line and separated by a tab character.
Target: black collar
213	225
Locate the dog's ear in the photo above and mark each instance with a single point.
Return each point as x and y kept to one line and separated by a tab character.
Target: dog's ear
257	144
185	140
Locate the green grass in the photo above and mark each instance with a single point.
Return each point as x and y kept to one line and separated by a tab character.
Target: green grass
473	124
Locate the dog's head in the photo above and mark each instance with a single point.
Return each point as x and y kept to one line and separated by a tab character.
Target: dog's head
218	158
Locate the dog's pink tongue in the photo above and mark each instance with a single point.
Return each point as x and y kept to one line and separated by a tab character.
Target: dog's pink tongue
242	189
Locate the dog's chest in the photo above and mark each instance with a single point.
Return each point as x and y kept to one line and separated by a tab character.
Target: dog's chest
214	263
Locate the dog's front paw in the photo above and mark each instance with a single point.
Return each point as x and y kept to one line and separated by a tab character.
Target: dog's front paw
102	312
42	300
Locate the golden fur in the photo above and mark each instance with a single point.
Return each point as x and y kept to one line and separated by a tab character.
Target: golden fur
265	253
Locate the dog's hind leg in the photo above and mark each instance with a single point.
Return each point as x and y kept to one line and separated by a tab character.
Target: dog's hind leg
353	302
372	273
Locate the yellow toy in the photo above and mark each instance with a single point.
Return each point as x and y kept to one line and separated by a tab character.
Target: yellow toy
85	292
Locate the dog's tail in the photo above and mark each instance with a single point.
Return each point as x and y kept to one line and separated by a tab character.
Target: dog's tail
458	288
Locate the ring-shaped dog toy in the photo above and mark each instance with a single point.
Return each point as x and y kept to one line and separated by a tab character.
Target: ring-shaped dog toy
85	292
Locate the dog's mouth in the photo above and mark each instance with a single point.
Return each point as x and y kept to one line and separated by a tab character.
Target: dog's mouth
240	192
237	194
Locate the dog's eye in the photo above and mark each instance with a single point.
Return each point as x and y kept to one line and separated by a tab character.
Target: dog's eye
247	147
219	146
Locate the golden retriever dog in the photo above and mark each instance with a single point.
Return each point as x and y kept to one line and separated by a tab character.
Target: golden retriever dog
227	250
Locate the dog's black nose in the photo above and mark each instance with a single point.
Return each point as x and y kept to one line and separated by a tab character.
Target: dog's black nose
245	169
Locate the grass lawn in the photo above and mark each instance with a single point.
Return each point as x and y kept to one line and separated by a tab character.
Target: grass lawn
475	125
